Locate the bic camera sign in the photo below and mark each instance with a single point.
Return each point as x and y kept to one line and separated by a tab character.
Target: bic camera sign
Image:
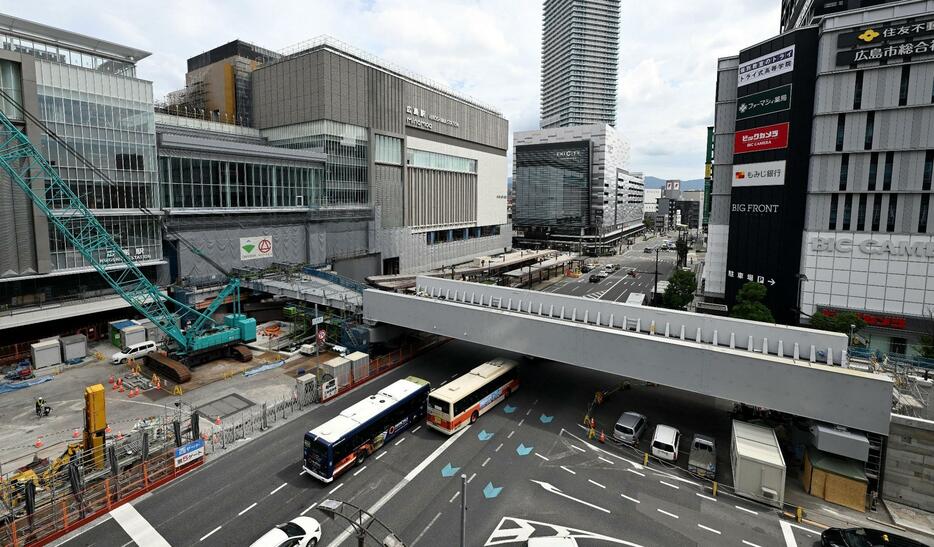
846	245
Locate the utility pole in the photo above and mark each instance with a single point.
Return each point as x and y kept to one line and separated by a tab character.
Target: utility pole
655	288
463	510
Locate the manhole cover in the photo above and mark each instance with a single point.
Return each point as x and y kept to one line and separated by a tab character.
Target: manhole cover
225	406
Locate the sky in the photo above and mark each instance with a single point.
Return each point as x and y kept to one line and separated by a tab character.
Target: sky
489	49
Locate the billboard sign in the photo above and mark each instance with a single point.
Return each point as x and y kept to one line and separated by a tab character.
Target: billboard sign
254	248
880	34
768	137
770	101
881	52
189	452
767	173
764	67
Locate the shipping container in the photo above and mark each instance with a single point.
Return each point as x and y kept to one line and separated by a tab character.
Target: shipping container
74	347
46	353
360	364
132	335
338	368
758	464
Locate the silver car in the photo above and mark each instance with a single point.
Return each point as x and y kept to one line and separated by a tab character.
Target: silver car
629	427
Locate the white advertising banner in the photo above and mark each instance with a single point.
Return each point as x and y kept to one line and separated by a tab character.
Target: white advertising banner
762	68
254	248
766	173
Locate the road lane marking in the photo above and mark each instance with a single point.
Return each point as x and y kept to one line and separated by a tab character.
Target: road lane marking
670	485
575	447
636	472
569	470
606	460
542	457
672	515
471	478
416	429
705	496
750	544
336	488
310	507
498	447
486	461
277	489
701	526
535	402
750	511
205	536
247	509
788	534
138	528
400	441
557	491
808	530
426	529
357	472
634	500
511	433
522	421
527	412
381	455
595	483
454	497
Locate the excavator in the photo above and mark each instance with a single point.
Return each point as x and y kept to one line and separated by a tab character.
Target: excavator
203	338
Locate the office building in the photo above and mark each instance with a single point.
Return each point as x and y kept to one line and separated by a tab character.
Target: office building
799	13
677	209
573	190
853	218
650	201
580	56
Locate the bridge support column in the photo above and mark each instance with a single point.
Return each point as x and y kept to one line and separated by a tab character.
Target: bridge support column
749	346
715	341
652	327
765	346
781	348
639	325
667	329
682	332
830	356
598	318
797	354
813	356
732	340
611	320
697	337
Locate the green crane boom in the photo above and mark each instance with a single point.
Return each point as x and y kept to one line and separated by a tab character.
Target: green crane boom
72	218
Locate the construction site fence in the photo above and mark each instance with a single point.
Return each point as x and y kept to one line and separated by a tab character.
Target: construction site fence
68	492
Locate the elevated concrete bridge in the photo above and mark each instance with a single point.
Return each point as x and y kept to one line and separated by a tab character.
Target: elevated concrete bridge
794	370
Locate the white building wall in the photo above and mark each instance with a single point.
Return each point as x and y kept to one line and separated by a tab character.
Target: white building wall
650	201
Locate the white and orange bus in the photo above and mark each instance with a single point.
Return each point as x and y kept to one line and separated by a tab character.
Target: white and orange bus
462	401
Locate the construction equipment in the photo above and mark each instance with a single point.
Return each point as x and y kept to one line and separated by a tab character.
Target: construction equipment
202	339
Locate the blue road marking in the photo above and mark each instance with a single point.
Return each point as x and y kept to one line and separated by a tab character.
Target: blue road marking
523	450
509	409
484	436
546	419
490	491
449	471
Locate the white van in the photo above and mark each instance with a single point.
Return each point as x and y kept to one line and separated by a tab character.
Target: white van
134	351
665	443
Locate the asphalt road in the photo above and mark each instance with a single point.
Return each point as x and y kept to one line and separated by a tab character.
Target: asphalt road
620	284
531	472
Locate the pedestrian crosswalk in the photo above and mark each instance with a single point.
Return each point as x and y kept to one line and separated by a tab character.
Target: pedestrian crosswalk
595	295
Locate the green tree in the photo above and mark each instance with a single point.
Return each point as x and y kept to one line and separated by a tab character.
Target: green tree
837	322
680	291
749	303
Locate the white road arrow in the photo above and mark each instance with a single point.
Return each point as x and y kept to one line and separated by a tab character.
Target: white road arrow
516	530
555	490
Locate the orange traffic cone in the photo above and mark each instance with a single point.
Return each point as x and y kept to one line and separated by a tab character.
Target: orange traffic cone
120	389
130	394
217	421
107	430
113	387
111	379
38	443
75	434
119	435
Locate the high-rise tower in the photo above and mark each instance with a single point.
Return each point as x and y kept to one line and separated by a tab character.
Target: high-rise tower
580	54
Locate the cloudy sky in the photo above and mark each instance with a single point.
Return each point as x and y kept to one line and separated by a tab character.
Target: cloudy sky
488	49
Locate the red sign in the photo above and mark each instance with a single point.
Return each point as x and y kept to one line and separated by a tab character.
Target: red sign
265	246
883	321
769	137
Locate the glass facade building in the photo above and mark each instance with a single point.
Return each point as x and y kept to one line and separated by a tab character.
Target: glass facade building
346	181
552	185
59	54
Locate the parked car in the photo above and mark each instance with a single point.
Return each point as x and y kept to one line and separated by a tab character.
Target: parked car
864	537
649	250
629	427
298	532
665	442
134	351
703	458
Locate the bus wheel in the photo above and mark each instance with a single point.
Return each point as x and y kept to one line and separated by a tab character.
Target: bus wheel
361	457
474	417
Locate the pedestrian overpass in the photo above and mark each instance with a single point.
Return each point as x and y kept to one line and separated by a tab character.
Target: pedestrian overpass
799	371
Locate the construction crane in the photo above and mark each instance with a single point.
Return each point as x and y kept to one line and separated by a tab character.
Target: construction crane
202	338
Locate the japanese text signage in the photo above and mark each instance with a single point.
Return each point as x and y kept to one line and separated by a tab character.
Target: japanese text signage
891	51
896	40
768	137
189	452
761	68
417	117
874	35
750	277
767	173
764	102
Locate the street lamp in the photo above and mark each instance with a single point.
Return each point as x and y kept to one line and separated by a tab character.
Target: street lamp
356	517
801	279
655	288
852	332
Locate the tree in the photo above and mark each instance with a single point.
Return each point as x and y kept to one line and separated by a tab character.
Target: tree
749	303
649	222
836	321
680	291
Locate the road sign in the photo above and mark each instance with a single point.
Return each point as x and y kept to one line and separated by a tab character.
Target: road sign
317	320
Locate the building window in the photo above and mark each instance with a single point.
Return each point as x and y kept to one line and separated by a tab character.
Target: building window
861	213
893	209
844	170
903	86
870	129
858	91
841	129
873	170
832	225
387	150
928	170
876	211
887	172
11	84
847	210
923	213
441	162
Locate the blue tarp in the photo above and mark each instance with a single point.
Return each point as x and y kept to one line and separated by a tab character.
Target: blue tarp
264	368
13	386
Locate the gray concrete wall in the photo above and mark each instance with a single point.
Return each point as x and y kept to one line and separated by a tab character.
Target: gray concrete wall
359	268
909	463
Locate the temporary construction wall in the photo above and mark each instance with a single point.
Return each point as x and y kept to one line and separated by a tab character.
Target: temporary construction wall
360	362
758	465
834	479
46	353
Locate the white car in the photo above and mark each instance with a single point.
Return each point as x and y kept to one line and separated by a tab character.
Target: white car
298	532
134	351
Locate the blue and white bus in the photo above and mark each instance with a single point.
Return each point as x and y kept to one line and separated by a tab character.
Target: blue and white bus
361	429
